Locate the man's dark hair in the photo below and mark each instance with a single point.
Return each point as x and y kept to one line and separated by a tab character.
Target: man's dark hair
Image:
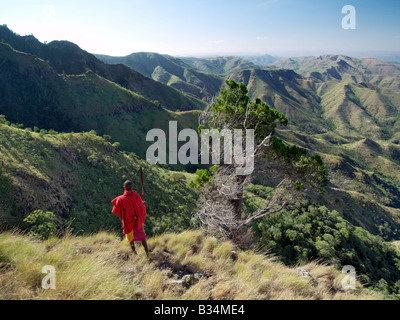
128	185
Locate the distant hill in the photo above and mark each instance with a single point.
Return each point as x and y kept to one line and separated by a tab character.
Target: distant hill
357	95
287	91
391	59
222	66
339	67
199	77
261	60
67	58
171	71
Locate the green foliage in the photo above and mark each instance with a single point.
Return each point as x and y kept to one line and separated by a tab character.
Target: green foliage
311	232
233	109
3	120
5	187
233	106
41	224
203	176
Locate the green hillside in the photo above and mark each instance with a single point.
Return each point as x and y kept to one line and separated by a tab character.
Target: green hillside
67	58
171	71
32	93
109	109
288	92
35	95
76	175
222	66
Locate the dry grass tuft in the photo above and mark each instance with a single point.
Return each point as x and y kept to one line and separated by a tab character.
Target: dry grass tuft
103	267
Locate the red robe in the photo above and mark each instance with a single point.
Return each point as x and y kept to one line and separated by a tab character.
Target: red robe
128	206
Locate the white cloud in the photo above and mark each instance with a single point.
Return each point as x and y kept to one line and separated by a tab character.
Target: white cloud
262	38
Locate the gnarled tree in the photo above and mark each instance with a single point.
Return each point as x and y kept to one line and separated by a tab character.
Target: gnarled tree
286	169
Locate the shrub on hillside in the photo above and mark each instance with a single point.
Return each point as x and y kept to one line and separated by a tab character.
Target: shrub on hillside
310	233
41	224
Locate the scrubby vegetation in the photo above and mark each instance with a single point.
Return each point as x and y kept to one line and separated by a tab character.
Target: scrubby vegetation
310	232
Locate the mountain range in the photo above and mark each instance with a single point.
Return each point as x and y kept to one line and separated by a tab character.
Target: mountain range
73	125
65	94
343	108
67	58
171	71
347	110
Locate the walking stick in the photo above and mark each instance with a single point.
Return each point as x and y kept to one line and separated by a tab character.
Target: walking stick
141	180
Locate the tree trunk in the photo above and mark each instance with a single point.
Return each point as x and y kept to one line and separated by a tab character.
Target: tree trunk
237	201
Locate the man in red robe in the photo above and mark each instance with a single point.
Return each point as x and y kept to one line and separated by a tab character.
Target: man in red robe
132	211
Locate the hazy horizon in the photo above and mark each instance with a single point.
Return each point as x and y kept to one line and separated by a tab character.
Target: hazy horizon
283	28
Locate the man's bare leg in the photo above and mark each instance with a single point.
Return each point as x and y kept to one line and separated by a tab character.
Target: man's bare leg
133	248
146	248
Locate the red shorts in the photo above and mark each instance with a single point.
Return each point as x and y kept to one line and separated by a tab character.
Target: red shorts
136	235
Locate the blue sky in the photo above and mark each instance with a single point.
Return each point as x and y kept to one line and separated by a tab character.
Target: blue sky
208	27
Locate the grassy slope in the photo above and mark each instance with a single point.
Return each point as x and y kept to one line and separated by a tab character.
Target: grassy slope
102	267
109	109
77	175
